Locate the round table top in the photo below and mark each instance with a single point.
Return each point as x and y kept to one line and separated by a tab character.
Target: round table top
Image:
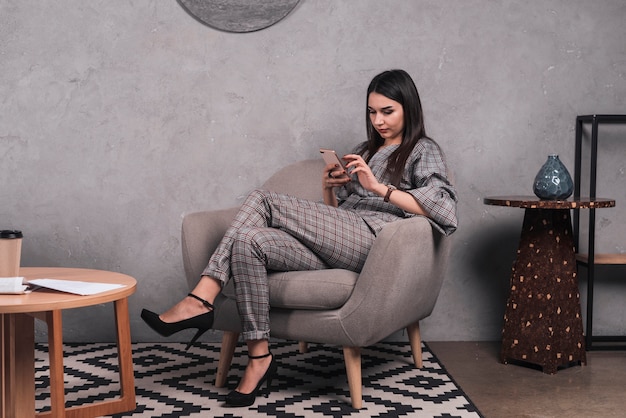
533	202
42	300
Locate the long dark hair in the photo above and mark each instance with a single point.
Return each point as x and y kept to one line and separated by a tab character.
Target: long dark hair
396	85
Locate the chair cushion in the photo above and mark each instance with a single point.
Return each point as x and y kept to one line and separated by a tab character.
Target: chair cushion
313	290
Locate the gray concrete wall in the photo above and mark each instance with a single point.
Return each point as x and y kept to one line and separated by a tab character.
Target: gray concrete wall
116	118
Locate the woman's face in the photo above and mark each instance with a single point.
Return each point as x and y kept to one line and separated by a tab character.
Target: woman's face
387	117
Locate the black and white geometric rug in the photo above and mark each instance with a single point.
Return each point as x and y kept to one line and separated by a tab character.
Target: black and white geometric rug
172	382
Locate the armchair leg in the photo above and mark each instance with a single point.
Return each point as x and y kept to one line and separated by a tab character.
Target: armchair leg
415	339
352	356
303	346
229	343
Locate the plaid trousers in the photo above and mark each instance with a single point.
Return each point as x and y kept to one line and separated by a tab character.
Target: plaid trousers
276	232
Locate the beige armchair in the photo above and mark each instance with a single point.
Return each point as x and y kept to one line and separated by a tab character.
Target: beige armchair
397	287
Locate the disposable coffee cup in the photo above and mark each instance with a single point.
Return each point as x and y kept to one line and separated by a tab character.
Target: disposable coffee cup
10	252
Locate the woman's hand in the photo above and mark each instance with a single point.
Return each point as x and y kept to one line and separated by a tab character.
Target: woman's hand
334	176
357	165
401	199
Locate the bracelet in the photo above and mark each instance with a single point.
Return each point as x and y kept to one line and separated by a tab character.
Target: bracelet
390	188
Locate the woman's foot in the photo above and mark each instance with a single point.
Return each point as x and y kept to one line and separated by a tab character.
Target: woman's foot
240	397
202	322
206	290
255	370
187	308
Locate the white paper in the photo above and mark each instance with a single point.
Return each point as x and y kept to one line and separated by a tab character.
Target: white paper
12	285
75	287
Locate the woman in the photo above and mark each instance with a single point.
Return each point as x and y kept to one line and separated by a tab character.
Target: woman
398	173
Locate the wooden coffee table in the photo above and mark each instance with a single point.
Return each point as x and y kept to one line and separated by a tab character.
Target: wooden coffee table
18	313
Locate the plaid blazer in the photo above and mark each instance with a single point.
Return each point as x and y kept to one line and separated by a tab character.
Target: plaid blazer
425	176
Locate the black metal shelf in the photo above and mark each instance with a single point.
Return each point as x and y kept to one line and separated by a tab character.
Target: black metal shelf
590	259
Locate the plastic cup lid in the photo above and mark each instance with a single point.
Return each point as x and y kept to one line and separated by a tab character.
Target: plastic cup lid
8	233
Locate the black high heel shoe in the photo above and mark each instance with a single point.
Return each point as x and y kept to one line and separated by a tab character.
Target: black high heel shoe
238	399
202	322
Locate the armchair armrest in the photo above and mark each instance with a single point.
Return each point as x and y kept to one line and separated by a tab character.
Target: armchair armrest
400	281
201	233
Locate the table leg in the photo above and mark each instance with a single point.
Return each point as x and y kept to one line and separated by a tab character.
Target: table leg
542	322
125	356
125	402
18	366
55	354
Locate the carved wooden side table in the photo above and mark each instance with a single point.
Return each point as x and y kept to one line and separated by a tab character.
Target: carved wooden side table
542	321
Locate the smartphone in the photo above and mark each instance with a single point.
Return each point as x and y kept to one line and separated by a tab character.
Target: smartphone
331	157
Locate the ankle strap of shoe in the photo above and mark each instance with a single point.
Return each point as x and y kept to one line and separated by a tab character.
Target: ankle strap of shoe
259	357
204	302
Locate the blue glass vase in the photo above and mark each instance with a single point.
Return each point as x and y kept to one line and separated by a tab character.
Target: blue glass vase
553	181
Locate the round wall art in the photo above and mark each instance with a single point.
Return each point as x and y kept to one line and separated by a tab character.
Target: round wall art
238	15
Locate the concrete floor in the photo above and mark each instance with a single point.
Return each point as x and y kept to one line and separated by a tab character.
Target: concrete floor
596	390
